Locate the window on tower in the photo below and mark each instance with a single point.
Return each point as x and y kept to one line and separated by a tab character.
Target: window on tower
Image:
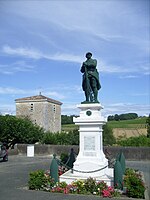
31	108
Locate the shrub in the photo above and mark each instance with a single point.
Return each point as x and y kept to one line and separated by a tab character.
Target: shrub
134	183
108	137
64	157
63	138
40	180
90	185
141	140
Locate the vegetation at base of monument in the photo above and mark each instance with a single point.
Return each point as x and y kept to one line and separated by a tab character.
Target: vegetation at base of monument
134	184
126	116
139	141
64	157
62	138
17	130
38	180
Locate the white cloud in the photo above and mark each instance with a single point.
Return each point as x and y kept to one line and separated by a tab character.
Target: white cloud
120	108
25	52
104	22
10	90
36	54
7	109
69	109
128	77
52	94
18	66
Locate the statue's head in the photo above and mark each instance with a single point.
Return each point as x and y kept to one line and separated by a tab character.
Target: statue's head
88	55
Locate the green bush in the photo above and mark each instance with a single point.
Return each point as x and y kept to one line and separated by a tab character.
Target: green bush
39	180
108	138
64	157
90	185
63	138
134	183
141	140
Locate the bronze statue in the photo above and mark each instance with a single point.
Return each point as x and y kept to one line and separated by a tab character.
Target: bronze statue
90	82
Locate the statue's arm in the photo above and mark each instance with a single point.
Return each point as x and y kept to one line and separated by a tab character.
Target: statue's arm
95	62
83	68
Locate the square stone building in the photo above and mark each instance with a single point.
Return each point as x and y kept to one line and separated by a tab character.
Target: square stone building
41	110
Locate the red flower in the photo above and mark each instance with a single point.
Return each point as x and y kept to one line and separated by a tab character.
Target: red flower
106	193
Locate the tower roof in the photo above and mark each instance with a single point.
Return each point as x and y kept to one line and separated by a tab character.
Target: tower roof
37	98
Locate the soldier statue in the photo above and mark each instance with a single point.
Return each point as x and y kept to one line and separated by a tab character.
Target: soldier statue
90	82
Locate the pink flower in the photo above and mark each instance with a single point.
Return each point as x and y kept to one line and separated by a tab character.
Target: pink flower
110	189
66	191
106	193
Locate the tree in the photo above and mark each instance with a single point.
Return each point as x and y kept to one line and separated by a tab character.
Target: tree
126	116
17	130
108	137
65	119
110	118
116	117
148	126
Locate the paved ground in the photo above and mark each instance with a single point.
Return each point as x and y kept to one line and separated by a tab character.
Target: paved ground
14	176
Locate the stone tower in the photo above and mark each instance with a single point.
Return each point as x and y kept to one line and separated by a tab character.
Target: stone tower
41	110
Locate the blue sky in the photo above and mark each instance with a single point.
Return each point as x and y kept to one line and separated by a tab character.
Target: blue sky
43	44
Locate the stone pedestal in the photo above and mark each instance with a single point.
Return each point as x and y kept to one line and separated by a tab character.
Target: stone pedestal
91	161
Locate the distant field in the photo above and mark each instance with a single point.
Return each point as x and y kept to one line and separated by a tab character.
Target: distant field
134	123
124	128
69	127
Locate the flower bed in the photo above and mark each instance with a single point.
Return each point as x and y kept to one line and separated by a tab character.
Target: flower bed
40	180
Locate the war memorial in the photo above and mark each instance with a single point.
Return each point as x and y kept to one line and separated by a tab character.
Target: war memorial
91	160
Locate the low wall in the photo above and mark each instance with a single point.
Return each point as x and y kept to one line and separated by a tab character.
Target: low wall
130	153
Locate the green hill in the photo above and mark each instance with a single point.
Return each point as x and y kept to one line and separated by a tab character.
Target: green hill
131	124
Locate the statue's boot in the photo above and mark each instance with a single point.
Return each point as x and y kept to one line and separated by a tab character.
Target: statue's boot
87	98
95	96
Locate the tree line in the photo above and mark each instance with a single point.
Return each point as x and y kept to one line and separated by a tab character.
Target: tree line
65	119
126	116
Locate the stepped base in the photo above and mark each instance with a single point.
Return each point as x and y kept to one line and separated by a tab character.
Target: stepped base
69	177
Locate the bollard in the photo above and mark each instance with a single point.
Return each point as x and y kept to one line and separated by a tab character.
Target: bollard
71	159
121	159
118	175
54	169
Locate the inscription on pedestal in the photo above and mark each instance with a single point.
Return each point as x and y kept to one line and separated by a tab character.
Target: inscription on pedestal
89	143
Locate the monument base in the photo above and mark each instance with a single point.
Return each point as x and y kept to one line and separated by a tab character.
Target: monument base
91	160
69	177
